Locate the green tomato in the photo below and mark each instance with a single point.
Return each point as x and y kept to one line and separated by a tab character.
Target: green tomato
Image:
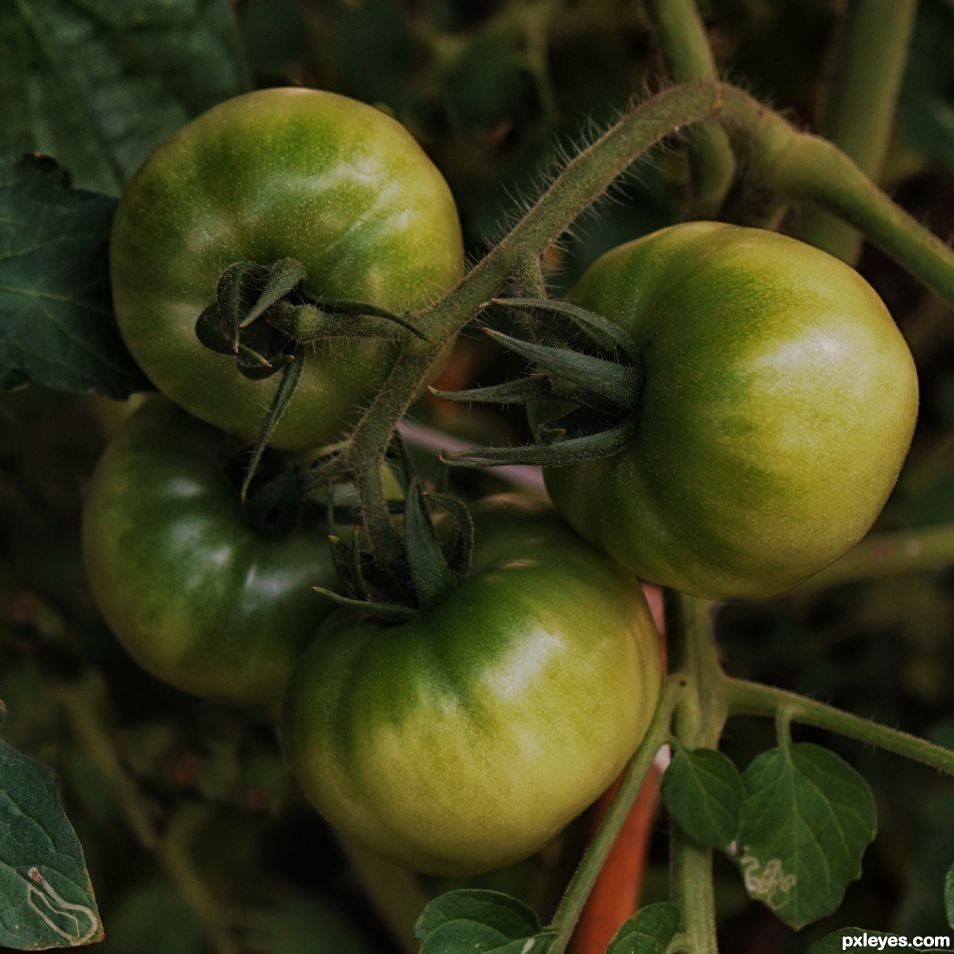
199	598
465	739
278	173
776	404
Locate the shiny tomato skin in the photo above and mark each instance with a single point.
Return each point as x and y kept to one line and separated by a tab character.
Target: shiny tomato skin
198	598
466	739
298	173
777	401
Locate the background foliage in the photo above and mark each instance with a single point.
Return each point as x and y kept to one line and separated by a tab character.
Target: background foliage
496	92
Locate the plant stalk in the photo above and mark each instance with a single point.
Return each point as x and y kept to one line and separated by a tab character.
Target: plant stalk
871	56
682	36
752	698
571	905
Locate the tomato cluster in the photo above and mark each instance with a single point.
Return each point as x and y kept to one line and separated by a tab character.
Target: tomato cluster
775	404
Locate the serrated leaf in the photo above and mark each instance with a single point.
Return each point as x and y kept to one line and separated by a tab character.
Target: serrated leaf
480	922
703	791
649	931
46	899
805	822
835	943
99	84
949	896
56	322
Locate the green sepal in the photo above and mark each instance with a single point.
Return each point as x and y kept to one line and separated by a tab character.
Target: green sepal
463	554
388	611
283	394
284	276
213	331
431	577
231	293
536	387
616	383
558	454
598	329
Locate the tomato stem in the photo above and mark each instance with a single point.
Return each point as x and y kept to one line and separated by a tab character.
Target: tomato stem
859	116
683	39
804	167
571	905
752	698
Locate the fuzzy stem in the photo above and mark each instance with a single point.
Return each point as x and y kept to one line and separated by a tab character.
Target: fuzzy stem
804	167
752	698
583	180
585	877
859	117
688	55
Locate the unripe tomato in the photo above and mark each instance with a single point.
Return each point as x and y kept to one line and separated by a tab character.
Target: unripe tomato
466	739
777	400
279	173
198	597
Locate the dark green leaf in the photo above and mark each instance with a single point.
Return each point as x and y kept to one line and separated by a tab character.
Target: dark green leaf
389	611
56	323
46	899
605	334
649	931
615	382
806	820
480	922
703	792
430	574
559	453
99	84
282	278
280	401
521	391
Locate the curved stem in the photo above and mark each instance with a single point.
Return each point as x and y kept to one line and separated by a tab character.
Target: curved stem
683	39
752	698
805	167
579	888
583	180
871	56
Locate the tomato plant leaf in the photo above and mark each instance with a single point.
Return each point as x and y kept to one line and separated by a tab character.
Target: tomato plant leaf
649	931
835	943
805	822
703	792
99	84
949	896
46	899
482	922
56	323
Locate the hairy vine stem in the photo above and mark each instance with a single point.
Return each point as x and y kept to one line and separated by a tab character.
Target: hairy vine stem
790	163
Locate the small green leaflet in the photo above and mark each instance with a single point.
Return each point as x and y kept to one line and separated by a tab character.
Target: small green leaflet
649	931
703	792
56	322
949	896
46	899
480	922
805	823
871	941
99	84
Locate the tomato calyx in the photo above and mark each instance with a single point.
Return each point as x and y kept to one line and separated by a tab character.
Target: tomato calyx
586	381
437	553
264	317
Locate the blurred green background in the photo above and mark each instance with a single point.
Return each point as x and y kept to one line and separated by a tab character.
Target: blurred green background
496	92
